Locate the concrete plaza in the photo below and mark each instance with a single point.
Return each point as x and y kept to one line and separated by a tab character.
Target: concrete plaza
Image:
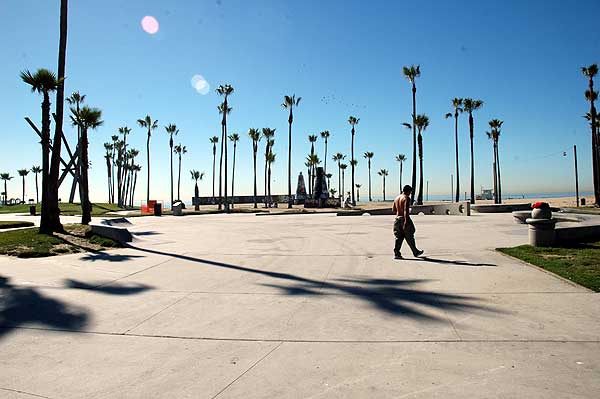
297	306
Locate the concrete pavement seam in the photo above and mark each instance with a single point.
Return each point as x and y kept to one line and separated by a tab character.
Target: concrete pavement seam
25	393
250	368
157	313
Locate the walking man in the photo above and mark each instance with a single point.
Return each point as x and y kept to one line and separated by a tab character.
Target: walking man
403	225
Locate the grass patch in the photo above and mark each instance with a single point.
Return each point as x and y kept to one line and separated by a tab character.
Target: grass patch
578	263
10	224
98	209
28	243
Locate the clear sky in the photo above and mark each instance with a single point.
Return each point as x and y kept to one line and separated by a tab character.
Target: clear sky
522	58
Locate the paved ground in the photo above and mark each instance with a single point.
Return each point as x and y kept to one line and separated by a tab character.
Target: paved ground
297	306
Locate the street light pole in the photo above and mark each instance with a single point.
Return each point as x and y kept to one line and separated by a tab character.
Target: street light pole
576	174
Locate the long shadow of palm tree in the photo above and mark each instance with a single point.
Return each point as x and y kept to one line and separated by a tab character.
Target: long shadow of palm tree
111	289
392	296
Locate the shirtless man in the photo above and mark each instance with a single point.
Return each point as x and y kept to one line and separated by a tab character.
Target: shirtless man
403	225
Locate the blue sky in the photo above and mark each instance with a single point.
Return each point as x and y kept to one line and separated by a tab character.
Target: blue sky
344	58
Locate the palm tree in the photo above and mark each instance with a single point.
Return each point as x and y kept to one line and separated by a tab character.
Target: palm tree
412	73
214	140
121	166
457	105
171	131
234	138
225	91
339	157
108	147
289	102
270	160
196	176
36	170
76	99
115	140
369	155
308	165
179	150
23	173
136	168
86	118
494	135
268	135
400	158
470	105
325	136
313	161
332	191
222	110
422	122
6	177
358	186
44	82
343	167
353	122
254	134
150	125
383	173
591	96
312	139
328	176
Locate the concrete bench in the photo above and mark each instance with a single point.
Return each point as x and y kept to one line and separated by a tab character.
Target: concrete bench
120	234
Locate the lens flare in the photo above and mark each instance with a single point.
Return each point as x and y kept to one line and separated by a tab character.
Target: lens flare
150	24
200	84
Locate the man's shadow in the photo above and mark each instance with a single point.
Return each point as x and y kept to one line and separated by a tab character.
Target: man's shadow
452	262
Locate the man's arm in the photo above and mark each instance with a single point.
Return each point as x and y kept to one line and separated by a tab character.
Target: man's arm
395	208
406	211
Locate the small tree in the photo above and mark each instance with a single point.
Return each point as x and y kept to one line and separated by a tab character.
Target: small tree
6	177
36	170
23	173
196	176
383	173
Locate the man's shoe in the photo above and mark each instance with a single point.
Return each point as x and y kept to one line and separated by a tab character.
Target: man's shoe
419	253
398	257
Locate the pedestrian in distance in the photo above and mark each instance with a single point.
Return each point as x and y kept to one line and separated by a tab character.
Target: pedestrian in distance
404	228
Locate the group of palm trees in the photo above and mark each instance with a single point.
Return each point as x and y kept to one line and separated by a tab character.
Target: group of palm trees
6	177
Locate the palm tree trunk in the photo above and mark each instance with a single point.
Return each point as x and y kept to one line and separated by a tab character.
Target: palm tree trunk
148	172
472	159
37	197
420	195
85	201
226	163
108	174
495	177
112	173
370	198
254	149
343	185
339	181
414	118
46	226
270	201
23	200
171	146
179	180
290	158
499	176
53	220
233	174
221	171
197	195
595	147
325	159
352	165
457	168
384	187
5	193
401	177
214	159
133	190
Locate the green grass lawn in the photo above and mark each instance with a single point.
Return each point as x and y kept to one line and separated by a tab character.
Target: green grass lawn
10	224
578	263
99	209
28	243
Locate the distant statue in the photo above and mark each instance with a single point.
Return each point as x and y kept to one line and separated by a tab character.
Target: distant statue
301	188
320	188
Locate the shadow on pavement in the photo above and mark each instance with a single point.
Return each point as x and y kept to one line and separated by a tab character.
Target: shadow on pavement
25	305
451	262
395	297
108	289
106	256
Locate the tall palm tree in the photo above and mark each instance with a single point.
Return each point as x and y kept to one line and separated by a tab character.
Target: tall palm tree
270	160
6	177
214	140
400	158
108	147
312	139
44	82
121	166
325	136
353	122
328	176
590	95
457	105
289	102
339	157
470	105
222	110
422	122
23	173
368	156
254	135
313	161
179	150
196	175
136	168
383	173
234	138
171	131
494	135
76	99
412	73
225	91
308	165
268	135
86	118
151	125
115	140
35	170
343	167
358	186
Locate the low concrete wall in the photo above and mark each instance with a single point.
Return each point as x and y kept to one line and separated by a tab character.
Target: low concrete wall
501	208
120	234
451	208
586	233
240	199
